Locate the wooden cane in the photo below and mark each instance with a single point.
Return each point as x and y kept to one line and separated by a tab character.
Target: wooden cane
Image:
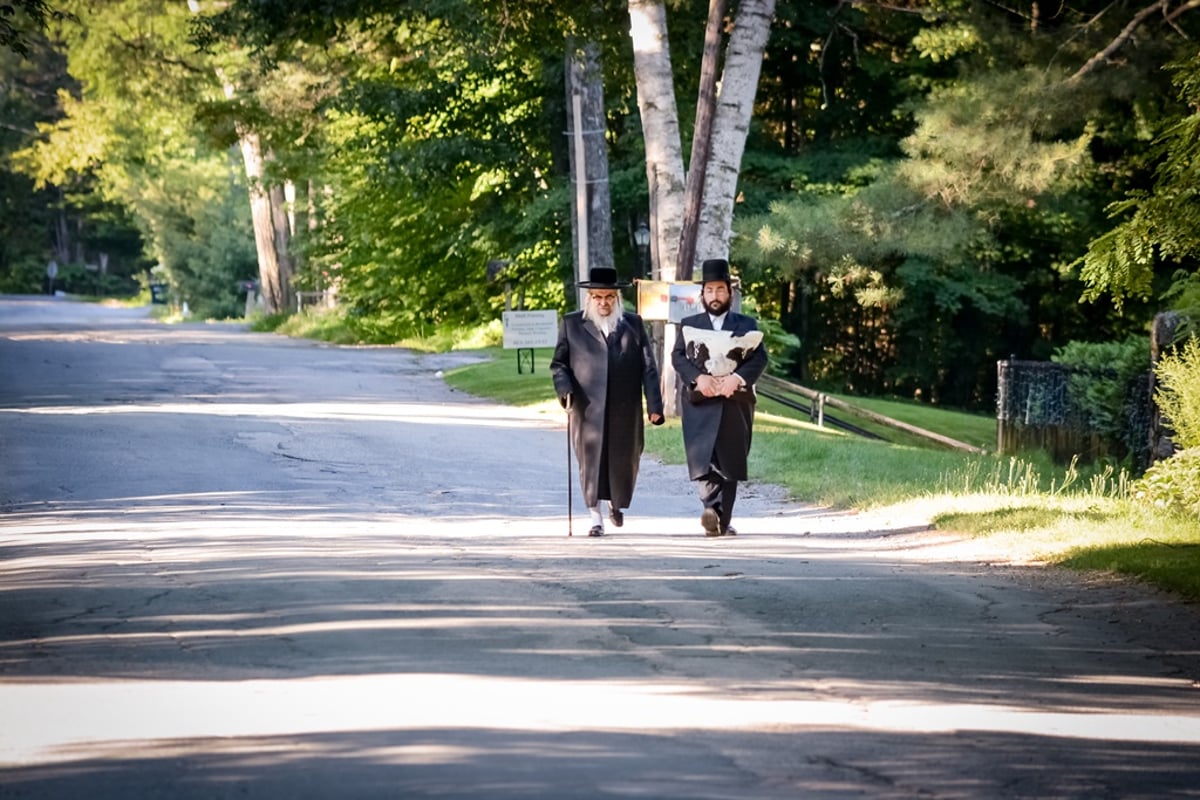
569	491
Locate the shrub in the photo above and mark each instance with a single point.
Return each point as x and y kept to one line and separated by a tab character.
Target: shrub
1173	483
1178	392
1100	386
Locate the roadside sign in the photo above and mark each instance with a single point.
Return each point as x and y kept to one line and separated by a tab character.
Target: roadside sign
524	329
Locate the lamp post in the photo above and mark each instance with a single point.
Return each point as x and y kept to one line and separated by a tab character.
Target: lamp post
641	237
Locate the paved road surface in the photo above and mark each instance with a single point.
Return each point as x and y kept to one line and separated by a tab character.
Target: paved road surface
235	565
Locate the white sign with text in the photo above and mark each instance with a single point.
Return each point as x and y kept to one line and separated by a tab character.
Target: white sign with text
524	329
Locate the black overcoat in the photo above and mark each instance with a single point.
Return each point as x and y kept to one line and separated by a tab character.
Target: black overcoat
719	425
607	385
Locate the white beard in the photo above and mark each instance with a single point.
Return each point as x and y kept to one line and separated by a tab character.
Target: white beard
606	324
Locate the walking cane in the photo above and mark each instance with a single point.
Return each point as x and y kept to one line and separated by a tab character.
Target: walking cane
569	491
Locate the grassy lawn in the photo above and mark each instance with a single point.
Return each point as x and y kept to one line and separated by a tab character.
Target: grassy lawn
1086	519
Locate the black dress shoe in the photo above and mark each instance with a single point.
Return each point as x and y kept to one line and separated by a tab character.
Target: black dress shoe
729	530
596	530
710	521
617	516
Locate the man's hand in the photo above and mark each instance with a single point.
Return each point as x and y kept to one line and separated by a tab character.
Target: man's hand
730	384
708	386
657	419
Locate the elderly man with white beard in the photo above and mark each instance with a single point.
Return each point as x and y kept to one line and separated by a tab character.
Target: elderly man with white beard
602	367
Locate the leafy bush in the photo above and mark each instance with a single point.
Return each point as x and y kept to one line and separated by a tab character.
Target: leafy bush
27	276
1173	483
1178	392
1100	386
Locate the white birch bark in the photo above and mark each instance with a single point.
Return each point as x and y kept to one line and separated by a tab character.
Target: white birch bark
664	163
731	125
660	130
664	151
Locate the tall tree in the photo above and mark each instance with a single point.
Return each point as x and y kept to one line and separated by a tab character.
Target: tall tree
702	132
660	127
268	213
731	127
445	148
717	169
133	128
734	105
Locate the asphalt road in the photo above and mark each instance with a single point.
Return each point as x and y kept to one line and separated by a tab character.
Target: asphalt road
234	565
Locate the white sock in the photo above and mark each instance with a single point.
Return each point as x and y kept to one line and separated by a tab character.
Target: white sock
596	518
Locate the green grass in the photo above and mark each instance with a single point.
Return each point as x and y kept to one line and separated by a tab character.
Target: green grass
973	429
1081	518
499	378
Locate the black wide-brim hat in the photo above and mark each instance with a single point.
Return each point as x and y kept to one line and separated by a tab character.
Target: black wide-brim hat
714	269
602	278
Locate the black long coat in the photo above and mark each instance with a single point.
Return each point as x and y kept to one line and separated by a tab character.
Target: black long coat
719	425
606	385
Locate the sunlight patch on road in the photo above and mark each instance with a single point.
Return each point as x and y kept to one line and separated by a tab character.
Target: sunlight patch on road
465	414
57	722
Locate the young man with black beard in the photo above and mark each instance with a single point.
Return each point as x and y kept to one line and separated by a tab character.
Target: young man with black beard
602	366
717	410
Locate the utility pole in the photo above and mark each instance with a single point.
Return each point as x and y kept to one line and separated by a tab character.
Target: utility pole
591	231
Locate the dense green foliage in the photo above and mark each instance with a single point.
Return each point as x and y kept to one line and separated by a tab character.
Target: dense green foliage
140	180
1178	392
912	271
21	22
922	194
1175	482
1160	223
1100	383
93	241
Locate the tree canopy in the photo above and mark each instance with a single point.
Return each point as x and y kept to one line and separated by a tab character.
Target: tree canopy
926	187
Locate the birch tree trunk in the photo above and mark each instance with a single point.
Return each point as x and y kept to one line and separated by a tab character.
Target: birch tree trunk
664	151
660	130
664	164
731	125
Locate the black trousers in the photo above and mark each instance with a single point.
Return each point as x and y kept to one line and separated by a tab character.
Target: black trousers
718	492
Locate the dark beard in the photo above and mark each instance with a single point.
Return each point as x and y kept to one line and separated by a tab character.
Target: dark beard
717	307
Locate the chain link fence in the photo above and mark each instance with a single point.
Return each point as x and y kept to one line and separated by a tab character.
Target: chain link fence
1046	406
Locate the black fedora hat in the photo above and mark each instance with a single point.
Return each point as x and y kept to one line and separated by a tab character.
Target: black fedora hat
714	269
602	278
